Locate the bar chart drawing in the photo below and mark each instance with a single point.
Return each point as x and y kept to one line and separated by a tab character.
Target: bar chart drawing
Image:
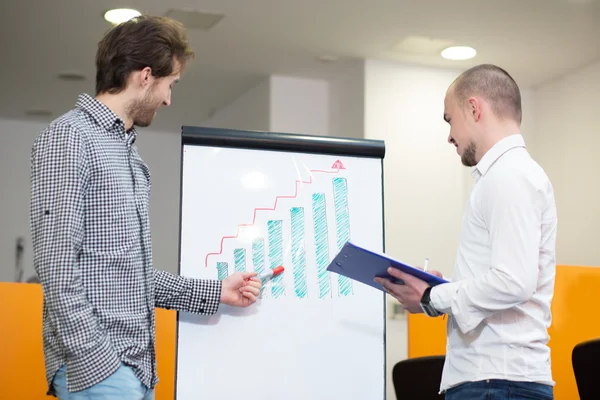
276	255
289	236
240	260
298	252
253	201
258	259
222	270
321	243
342	221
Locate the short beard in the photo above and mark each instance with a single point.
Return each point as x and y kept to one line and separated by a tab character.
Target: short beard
468	157
142	111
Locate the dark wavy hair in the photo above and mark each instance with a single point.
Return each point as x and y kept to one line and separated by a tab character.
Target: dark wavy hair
144	41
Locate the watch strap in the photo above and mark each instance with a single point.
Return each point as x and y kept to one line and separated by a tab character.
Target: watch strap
426	305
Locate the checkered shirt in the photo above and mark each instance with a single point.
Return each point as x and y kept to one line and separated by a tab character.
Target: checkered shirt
90	228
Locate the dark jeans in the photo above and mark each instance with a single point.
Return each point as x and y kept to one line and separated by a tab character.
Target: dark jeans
497	389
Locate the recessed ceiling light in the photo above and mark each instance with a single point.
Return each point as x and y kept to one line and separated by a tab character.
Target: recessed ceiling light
38	112
327	58
458	53
196	19
119	15
71	76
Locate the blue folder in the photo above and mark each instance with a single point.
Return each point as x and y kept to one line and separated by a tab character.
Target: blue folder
364	265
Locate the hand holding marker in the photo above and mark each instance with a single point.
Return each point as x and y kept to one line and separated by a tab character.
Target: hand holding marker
270	274
267	276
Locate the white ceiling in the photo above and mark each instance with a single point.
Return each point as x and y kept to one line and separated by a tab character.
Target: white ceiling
535	40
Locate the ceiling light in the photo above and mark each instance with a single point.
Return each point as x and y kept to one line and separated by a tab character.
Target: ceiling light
119	15
196	19
458	53
71	76
38	112
327	58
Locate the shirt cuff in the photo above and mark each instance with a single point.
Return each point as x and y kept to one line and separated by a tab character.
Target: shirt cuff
441	297
207	296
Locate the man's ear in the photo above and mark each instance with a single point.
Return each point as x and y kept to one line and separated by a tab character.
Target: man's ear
474	108
145	77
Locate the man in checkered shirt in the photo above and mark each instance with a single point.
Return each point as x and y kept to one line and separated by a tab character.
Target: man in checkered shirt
90	225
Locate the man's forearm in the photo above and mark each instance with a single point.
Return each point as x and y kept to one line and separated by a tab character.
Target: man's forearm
181	293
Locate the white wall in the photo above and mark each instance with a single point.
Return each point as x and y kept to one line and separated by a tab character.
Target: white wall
278	104
16	140
249	111
347	102
528	125
161	151
299	105
567	143
425	182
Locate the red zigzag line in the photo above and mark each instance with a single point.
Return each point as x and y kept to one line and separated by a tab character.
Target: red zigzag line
266	209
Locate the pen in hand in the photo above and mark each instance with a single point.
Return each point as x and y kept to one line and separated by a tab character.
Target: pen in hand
433	272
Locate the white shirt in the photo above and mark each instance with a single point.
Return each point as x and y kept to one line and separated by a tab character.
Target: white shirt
498	302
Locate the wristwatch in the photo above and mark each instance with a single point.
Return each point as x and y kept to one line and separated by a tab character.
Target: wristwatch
426	304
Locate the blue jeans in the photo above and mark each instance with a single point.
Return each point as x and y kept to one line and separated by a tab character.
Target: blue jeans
497	389
121	385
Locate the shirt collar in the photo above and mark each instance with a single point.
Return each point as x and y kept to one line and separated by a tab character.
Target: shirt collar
105	117
501	147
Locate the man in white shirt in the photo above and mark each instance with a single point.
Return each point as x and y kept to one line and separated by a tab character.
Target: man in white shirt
498	303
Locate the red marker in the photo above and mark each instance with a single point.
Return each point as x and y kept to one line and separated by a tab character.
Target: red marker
271	274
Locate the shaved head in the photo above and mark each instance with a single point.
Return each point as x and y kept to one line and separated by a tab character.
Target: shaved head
493	84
